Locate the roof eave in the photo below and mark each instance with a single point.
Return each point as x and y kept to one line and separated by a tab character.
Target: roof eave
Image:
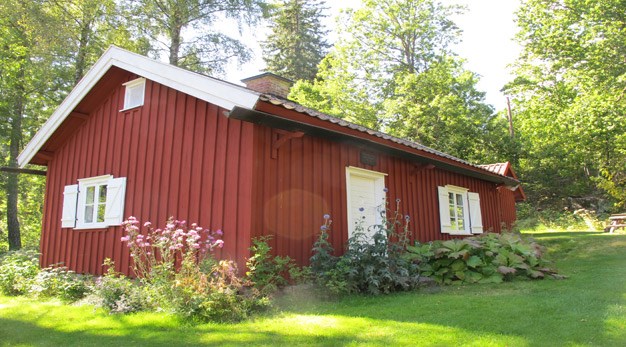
276	121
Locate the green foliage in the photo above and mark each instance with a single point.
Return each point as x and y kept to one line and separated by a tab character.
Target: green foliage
569	100
187	31
18	269
60	282
393	70
489	258
266	272
373	262
529	218
296	44
117	293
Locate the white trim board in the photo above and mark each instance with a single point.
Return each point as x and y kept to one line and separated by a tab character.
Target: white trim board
220	93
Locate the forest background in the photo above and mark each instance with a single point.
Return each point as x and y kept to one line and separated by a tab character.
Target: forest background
390	67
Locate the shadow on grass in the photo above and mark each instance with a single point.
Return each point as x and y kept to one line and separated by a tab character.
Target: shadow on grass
586	309
589	308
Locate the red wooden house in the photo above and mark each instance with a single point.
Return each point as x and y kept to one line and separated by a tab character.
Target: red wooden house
144	138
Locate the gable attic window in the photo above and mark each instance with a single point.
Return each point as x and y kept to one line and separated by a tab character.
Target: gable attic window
93	203
134	94
459	211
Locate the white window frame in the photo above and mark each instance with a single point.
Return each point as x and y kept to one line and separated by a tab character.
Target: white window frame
379	197
83	185
472	218
75	202
138	84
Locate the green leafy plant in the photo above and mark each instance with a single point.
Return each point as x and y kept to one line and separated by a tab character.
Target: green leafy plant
370	264
18	270
58	281
265	271
118	293
489	258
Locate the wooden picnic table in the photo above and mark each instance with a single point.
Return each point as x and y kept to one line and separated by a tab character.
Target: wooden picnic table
616	221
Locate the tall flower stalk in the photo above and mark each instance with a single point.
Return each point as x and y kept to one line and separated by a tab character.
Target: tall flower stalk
156	252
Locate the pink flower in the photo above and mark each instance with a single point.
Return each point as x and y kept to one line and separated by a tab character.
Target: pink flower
125	238
147	224
219	243
219	232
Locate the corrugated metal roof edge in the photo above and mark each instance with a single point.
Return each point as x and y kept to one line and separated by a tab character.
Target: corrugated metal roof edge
290	105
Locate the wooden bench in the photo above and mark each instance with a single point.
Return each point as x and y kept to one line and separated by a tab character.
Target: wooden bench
616	221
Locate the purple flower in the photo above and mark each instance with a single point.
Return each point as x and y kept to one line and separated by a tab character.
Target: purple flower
385	190
361	209
323	228
327	216
398	200
219	232
407	218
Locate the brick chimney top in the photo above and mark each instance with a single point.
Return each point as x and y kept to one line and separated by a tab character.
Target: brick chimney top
269	83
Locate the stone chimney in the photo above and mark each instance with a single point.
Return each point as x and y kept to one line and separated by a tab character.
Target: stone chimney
269	83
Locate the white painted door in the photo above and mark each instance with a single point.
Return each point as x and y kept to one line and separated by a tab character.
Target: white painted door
365	199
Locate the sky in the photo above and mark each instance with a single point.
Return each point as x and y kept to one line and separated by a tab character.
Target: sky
487	45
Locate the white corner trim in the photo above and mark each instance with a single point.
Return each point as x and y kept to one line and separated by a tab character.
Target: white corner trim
220	93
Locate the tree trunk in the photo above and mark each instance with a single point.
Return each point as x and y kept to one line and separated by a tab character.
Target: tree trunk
175	46
13	223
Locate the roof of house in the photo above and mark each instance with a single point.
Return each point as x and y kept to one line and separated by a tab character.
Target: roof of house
505	169
239	100
499	168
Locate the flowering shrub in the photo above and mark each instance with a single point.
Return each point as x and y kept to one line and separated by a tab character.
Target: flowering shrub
372	265
156	253
179	274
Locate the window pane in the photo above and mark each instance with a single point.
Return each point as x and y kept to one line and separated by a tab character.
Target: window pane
89	214
459	212
452	211
91	191
461	224
451	198
102	193
459	199
101	208
453	223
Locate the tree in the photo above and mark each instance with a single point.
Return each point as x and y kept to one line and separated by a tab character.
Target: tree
394	70
47	45
570	99
91	26
297	42
25	60
185	30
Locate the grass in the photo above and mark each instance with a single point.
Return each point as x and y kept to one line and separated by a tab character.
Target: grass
587	309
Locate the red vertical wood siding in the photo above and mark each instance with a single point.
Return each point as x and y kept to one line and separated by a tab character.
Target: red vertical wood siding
181	156
308	179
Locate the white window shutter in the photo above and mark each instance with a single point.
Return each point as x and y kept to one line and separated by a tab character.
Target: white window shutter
476	219
116	193
444	210
70	199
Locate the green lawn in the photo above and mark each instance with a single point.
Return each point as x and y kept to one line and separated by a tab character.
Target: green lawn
587	309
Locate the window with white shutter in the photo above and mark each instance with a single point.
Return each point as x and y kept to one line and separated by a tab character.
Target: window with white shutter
459	211
134	94
95	202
